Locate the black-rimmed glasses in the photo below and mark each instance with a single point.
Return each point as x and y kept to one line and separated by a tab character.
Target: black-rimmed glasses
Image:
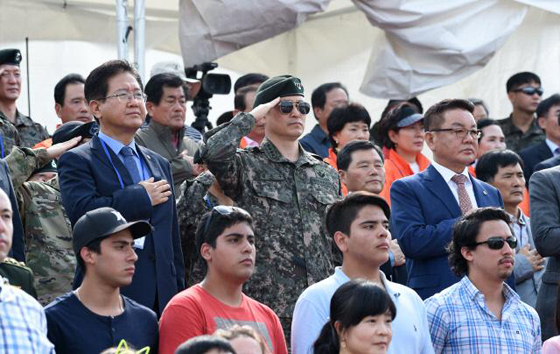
461	133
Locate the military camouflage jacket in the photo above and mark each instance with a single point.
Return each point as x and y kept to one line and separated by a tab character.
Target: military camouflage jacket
288	202
193	203
9	135
47	229
30	132
19	275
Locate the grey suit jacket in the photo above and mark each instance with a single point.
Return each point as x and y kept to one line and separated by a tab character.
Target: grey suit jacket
545	225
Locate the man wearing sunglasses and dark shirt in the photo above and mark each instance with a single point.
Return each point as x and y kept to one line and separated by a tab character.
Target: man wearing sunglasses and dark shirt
286	190
482	314
520	128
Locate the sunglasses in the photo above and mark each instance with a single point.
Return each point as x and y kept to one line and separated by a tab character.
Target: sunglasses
223	210
529	90
286	107
496	243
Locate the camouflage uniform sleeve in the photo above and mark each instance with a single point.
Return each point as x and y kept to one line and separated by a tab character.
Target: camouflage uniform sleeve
23	161
220	152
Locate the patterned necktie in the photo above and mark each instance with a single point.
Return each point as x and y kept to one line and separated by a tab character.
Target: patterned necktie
129	163
464	200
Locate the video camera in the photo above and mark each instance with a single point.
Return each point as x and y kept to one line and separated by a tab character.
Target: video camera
212	84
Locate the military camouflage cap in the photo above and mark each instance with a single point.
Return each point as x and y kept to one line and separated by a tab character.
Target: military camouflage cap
50	167
103	222
73	129
10	56
278	86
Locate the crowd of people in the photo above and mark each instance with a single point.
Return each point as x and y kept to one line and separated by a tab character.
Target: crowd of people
128	231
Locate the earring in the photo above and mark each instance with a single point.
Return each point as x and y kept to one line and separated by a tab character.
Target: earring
343	343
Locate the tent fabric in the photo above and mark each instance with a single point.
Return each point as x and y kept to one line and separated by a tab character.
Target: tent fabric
427	44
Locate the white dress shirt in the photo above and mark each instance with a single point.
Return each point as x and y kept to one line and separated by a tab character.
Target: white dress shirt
447	174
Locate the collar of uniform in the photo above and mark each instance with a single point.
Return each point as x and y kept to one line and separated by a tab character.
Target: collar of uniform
508	127
22	119
164	131
272	152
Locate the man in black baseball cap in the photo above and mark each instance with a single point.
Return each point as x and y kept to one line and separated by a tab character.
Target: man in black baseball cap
30	132
96	316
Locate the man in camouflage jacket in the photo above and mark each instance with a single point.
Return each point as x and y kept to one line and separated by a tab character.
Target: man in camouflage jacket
286	190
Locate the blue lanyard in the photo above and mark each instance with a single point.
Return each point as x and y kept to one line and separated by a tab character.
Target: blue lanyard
2	144
112	164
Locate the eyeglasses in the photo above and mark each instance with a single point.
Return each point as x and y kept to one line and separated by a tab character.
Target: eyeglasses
223	210
286	107
530	90
127	96
461	133
496	243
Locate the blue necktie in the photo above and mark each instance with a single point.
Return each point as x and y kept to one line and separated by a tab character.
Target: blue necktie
130	163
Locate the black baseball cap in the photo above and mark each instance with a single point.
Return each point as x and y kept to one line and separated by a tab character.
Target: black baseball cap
104	222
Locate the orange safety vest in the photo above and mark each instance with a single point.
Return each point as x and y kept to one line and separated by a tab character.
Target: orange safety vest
396	168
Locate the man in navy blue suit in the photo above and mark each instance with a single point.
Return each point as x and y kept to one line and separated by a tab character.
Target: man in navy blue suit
111	170
425	206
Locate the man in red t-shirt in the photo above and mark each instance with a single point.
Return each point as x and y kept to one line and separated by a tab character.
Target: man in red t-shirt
226	242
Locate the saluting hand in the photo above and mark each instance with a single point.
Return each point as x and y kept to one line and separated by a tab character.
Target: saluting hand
56	150
158	191
261	110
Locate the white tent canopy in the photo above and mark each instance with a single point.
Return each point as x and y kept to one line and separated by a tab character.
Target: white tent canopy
334	45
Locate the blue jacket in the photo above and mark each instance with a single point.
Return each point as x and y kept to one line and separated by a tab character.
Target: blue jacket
88	181
423	212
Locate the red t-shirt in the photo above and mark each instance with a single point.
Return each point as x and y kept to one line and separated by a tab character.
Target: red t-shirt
194	312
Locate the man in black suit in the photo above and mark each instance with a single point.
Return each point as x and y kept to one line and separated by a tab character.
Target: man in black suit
547	117
112	170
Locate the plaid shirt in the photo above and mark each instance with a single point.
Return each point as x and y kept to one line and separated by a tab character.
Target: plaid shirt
23	326
460	322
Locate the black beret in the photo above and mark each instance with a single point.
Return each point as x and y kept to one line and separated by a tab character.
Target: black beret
50	167
73	129
10	56
278	86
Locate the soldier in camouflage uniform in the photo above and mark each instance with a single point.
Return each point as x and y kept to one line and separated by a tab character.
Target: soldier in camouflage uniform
30	133
199	196
284	188
47	229
9	137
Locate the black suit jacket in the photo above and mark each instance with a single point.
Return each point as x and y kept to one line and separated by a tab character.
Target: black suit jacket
88	181
532	156
18	244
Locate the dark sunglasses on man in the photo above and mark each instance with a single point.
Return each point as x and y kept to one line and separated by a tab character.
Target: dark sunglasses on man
530	90
286	107
496	243
223	210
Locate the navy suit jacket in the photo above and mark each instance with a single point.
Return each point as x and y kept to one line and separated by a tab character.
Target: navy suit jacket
88	181
18	243
548	163
423	213
532	156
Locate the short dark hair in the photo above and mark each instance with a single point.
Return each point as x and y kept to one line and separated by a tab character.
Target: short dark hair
483	123
414	101
319	95
154	87
224	117
546	105
239	99
390	122
521	78
217	224
344	158
249	79
489	163
204	344
375	132
341	116
350	304
342	213
433	119
95	247
97	82
480	102
465	232
60	87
